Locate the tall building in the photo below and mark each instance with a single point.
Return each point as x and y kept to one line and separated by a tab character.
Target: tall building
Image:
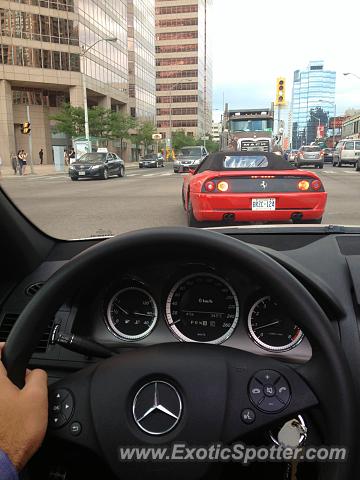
312	104
141	55
183	66
42	66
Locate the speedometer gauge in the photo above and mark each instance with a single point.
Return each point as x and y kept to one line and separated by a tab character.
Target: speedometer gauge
202	308
271	328
132	313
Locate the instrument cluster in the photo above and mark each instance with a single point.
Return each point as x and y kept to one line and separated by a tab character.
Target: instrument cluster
201	307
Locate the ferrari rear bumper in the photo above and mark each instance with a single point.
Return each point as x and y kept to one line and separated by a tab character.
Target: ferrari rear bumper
218	207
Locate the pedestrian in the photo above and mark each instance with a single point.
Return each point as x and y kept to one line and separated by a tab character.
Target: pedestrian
66	157
41	156
72	156
20	161
24	159
14	162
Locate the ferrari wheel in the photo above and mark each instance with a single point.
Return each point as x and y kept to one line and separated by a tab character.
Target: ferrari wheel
192	222
105	174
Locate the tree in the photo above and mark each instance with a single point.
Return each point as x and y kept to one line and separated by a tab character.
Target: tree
120	125
179	139
100	122
146	131
70	120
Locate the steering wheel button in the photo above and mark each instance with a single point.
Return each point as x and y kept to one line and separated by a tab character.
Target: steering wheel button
248	416
75	429
267	377
67	407
269	390
283	391
256	391
271	405
57	421
55	408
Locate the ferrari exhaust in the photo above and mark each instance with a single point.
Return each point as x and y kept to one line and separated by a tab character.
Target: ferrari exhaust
296	217
229	217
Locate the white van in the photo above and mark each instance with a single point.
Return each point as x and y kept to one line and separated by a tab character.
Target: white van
347	152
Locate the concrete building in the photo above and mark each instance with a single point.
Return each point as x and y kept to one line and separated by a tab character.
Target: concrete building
312	103
183	66
42	65
216	130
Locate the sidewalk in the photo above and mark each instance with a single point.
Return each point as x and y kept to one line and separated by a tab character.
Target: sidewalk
45	170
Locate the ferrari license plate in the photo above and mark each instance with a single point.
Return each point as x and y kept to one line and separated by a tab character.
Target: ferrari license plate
82	173
263	204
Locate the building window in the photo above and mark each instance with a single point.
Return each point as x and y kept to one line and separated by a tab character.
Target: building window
176	48
177	22
175	35
162	62
176	123
178	99
177	74
177	111
176	9
166	87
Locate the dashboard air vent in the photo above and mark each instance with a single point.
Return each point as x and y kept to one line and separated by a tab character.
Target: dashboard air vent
32	289
8	322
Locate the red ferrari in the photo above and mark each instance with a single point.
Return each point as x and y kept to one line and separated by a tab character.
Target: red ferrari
232	187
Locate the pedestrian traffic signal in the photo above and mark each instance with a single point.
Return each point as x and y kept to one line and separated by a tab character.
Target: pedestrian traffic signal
25	128
280	91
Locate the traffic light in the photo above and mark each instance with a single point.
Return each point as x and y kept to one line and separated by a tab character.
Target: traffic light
280	91
25	128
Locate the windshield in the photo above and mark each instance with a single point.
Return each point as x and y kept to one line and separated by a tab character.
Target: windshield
92	158
190	152
312	149
103	135
234	162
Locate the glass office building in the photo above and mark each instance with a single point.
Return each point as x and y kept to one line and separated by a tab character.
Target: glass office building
41	64
313	103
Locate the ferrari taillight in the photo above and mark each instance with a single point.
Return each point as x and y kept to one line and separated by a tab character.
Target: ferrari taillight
210	186
223	186
303	185
316	185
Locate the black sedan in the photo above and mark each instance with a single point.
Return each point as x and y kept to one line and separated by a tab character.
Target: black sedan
152	160
97	165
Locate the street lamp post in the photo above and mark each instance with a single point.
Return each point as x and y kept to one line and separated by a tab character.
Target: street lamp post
353	74
83	80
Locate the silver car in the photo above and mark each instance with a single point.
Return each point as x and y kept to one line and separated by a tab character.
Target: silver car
310	155
189	157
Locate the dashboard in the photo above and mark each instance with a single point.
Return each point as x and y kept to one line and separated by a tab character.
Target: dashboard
189	302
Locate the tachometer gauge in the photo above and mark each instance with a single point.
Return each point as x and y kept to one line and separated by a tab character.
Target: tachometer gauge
202	308
271	328
132	313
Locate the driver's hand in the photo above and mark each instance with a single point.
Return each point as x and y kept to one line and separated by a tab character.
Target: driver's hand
23	415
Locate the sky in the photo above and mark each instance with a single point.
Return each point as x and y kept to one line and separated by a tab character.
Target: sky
254	42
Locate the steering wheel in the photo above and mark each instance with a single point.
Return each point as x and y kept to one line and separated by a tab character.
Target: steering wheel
204	389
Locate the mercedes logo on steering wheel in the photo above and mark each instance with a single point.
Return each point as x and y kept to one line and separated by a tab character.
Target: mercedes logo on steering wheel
157	407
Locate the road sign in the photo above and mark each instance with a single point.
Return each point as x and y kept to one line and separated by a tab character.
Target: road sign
157	136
